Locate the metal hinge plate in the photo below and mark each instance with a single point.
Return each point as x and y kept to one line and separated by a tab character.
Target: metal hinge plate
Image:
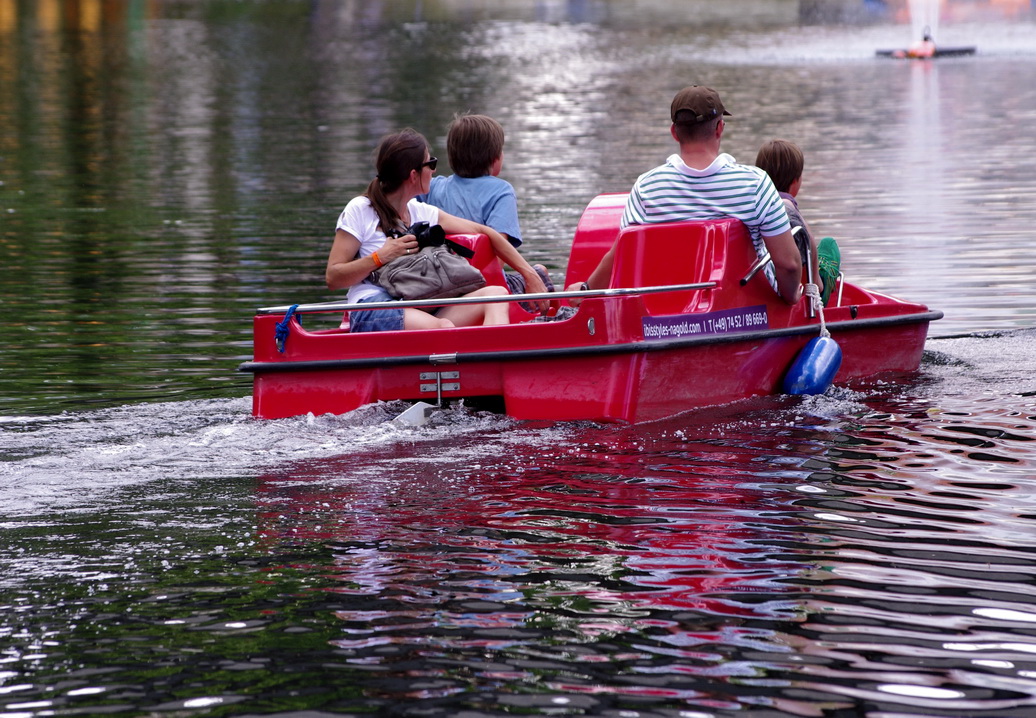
435	382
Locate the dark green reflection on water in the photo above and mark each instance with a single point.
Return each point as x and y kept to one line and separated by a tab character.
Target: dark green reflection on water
123	221
175	165
242	629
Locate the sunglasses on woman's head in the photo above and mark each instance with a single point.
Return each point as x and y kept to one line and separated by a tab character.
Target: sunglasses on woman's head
431	163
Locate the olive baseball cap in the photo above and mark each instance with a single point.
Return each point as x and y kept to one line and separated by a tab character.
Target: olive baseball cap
696	104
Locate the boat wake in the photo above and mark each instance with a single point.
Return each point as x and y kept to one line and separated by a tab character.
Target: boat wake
77	460
974	362
80	460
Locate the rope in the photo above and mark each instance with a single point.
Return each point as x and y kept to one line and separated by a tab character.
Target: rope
284	327
812	292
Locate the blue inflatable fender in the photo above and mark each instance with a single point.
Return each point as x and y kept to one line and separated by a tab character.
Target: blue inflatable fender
814	368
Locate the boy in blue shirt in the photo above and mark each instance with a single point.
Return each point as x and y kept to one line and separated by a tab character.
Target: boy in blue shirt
475	148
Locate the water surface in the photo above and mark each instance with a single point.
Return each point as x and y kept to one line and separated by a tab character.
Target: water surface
168	167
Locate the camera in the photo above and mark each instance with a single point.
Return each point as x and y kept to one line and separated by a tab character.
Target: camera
427	235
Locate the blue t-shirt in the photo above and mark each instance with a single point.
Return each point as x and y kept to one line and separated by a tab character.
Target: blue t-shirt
487	200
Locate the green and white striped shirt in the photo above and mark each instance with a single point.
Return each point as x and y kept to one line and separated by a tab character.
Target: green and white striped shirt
675	192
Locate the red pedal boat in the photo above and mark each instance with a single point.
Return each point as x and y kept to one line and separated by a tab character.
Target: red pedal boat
689	321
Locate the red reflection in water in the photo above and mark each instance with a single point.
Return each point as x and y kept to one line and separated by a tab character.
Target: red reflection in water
619	519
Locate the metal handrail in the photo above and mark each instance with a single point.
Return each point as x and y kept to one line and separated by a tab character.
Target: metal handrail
540	296
754	269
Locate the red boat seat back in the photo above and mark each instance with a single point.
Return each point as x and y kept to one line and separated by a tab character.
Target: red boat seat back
651	255
595	233
660	254
486	261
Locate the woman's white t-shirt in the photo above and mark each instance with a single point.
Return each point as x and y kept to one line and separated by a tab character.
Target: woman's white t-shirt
361	221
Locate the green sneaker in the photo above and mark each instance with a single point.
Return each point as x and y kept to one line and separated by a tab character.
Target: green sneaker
830	260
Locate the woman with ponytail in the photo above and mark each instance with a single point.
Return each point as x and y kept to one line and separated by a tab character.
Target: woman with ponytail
370	234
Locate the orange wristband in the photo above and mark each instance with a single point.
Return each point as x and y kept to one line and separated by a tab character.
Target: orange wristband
377	259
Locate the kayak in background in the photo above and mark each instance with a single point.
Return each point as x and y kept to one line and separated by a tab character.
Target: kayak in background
910	54
926	49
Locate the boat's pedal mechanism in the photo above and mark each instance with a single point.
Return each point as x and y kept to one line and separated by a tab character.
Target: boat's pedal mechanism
436	382
432	382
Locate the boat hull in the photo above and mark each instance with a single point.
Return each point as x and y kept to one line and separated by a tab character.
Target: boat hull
627	381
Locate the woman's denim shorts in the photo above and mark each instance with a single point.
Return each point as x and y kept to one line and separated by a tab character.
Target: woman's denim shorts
376	320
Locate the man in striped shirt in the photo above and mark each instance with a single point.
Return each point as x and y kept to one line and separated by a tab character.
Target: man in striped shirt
701	183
